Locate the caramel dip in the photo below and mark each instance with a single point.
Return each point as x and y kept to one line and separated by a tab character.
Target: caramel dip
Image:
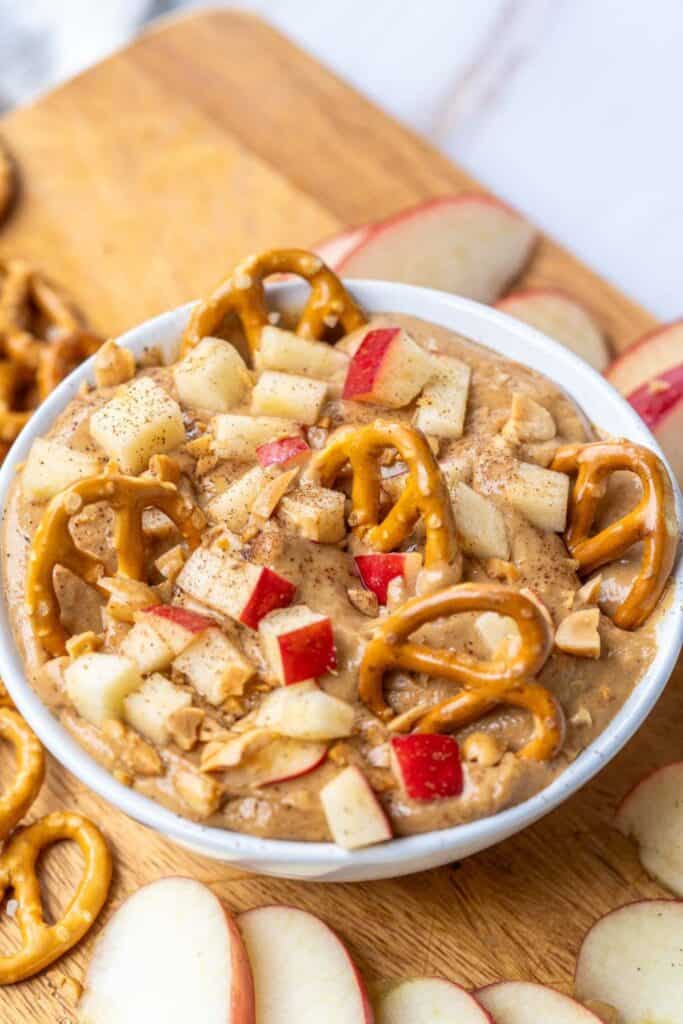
332	584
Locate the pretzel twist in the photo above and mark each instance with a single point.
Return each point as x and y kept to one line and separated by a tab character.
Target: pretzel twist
485	684
28	773
425	494
53	543
44	943
652	521
243	293
42	339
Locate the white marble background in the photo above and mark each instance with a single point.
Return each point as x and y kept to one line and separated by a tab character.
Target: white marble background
570	109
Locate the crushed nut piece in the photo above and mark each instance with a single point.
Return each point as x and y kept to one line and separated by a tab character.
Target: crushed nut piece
113	365
184	725
83	643
201	794
126	597
582	717
364	601
578	634
529	421
483	749
165	468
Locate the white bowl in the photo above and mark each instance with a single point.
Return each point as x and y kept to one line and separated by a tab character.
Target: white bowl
324	861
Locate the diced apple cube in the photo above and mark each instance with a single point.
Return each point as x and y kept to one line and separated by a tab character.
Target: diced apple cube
529	421
443	403
238	437
388	368
97	684
215	666
233	506
147	648
212	376
298	644
244	591
286	394
315	513
496	630
51	466
304	711
176	625
428	766
354	815
285	452
479	522
378	570
139	422
283	350
541	495
149	708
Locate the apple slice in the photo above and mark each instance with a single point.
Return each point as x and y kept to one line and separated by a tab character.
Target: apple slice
428	1000
285	452
354	815
168	950
302	971
468	244
388	368
631	959
524	1002
652	813
660	403
176	625
377	571
258	757
298	644
562	318
304	711
651	356
244	591
427	765
334	249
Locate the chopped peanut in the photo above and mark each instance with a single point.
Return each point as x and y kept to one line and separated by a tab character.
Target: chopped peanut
578	633
184	725
483	749
364	601
201	794
126	597
113	365
82	643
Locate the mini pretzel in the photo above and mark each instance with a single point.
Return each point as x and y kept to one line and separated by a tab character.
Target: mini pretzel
243	293
424	495
485	684
28	773
653	520
42	338
44	943
53	543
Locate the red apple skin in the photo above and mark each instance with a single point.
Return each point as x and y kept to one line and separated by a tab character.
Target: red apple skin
189	620
428	765
632	365
271	591
656	397
362	372
377	571
335	248
308	652
243	1001
285	452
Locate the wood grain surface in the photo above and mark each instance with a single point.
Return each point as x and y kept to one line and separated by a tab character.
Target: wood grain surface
142	181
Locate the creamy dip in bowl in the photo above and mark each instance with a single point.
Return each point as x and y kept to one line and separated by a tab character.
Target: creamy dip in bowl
437	840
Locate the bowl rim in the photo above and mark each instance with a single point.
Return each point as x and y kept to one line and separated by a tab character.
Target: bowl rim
477	322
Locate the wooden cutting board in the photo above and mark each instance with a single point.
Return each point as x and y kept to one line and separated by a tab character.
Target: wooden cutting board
143	180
